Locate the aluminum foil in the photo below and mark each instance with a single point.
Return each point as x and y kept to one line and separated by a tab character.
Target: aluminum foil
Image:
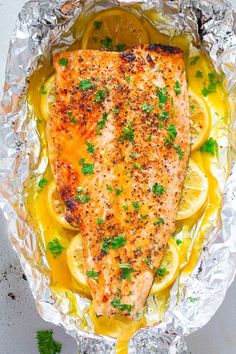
38	30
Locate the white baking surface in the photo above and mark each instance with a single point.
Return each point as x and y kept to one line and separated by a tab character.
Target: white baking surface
19	319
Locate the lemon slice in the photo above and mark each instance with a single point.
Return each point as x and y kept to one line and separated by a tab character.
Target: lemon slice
48	93
194	193
75	261
114	29
170	264
200	121
56	207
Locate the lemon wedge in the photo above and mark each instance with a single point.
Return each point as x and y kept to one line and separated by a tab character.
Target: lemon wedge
114	29
199	120
168	268
76	262
47	96
55	206
194	193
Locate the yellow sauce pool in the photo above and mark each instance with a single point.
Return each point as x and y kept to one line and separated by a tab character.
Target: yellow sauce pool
216	169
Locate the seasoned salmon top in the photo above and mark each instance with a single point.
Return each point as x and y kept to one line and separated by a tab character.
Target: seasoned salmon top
119	141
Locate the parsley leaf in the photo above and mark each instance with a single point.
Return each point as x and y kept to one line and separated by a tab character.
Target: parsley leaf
210	146
46	343
178	242
55	247
194	60
212	84
199	74
158	189
126	271
128	133
147	108
177	88
125	207
172	131
162	96
90	147
92	274
100	96
102	123
109	188
99	221
120	47
117	242
193	299
106	42
86	84
128	78
159	221
43	90
118	191
97	24
116	304
179	151
83	198
115	111
146	260
87	168
136	206
63	62
43	182
161	272
163	116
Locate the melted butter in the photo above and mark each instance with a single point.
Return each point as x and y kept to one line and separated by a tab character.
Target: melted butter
216	170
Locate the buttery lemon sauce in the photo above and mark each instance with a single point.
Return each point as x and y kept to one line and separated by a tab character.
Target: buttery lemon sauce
216	168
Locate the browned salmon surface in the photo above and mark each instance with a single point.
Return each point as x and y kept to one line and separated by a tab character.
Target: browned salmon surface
119	142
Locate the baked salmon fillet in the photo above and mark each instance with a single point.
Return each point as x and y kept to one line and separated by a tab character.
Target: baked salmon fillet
119	142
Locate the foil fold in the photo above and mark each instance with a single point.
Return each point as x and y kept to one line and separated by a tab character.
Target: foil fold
38	29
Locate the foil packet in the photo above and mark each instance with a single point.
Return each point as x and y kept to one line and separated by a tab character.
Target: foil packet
38	29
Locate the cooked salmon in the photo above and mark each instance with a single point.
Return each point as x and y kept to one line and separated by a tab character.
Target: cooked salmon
119	141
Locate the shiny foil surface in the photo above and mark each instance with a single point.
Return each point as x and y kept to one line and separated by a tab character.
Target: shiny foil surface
38	31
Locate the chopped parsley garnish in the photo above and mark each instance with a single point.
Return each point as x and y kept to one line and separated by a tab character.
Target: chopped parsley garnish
69	113
118	191
43	90
128	78
43	182
212	84
106	42
172	131
133	155
109	188
55	247
93	274
179	151
149	138
147	108
177	88
162	96
158	189
146	260
193	299
163	116
168	140
100	96
83	198
139	248
199	74
73	120
210	146
136	206
143	216
178	242
86	84
102	123
126	271
128	133
63	62
97	24
116	304
115	111
90	147
125	207
99	221
115	243
120	47
46	343
159	221
87	168
161	272
194	60
137	166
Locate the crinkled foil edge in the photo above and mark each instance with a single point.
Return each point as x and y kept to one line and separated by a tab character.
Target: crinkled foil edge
38	27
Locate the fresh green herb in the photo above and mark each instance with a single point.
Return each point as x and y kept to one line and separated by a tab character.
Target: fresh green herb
86	84
125	207
93	274
172	131
162	96
115	243
63	62
120	47
213	81
126	271
143	216
128	133
87	168
101	123
106	246
116	304
137	166
192	106
109	188
178	242
100	96
81	162
115	111
43	90
146	260
168	140
194	60
139	248
99	221
97	24
161	272
90	147
73	120
133	155
161	125
199	74
128	78
159	221
163	116
55	247
177	88
179	151
46	343
43	182
83	198
107	89
118	191
210	146
136	206
193	299
149	138
106	42
158	189
147	108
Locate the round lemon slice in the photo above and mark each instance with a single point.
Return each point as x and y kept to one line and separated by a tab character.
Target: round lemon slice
47	96
200	121
114	29
168	268
194	193
55	206
75	261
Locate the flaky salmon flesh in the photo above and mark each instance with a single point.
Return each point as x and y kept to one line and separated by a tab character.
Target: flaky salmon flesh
119	141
